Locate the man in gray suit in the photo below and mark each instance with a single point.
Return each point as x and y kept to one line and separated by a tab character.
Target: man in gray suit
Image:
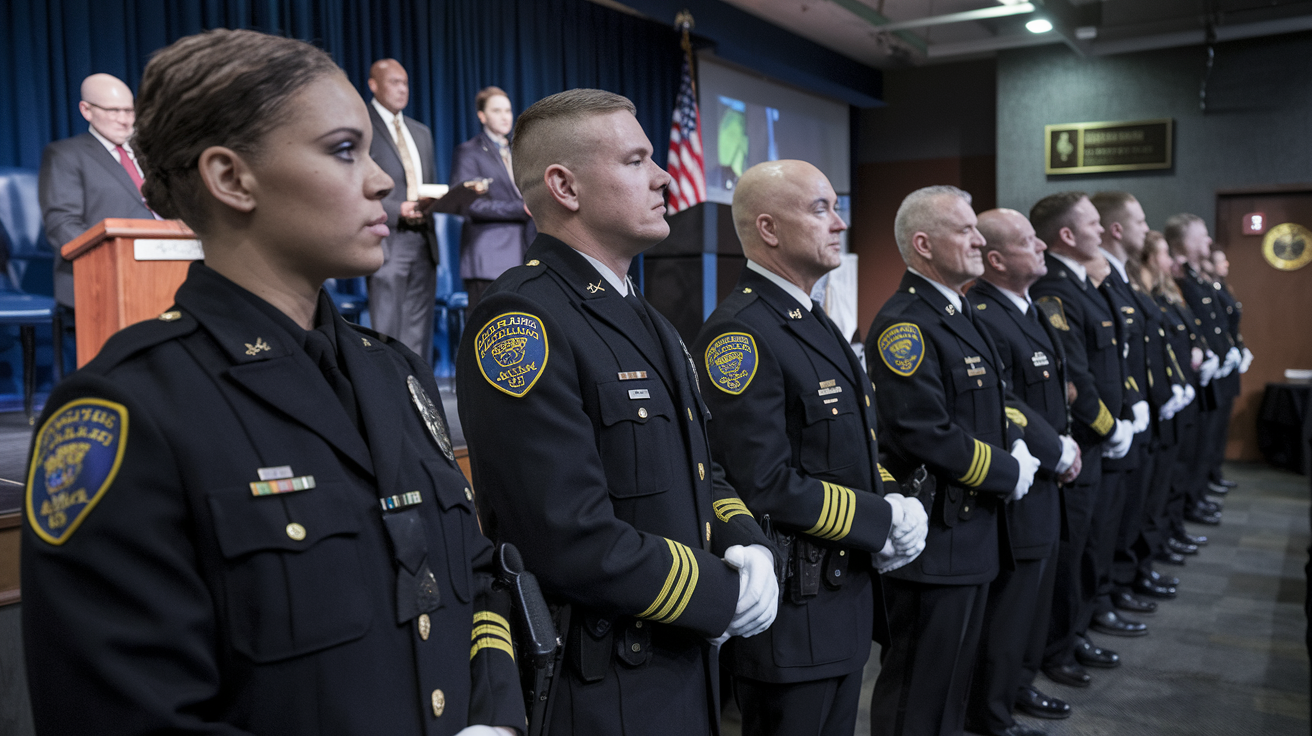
89	177
401	293
497	229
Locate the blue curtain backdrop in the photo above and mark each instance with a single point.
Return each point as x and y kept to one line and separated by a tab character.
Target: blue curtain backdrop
452	48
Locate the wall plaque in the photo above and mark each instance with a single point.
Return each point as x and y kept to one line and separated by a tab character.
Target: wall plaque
1288	246
1091	148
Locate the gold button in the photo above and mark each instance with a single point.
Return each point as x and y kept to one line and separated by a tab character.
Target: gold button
1045	374
642	412
533	262
842	553
1113	341
701	471
439	702
469	495
425	626
973	493
872	435
966	509
979	381
912	290
170	315
834	410
867	401
637	624
296	531
747	291
636	647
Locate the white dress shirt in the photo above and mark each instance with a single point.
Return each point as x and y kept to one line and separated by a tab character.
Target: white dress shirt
952	296
789	287
388	117
109	146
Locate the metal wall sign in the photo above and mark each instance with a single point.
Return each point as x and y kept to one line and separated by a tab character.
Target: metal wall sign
1288	246
1091	148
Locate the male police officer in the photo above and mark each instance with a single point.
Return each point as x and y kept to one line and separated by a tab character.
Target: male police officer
588	443
795	431
941	400
1016	618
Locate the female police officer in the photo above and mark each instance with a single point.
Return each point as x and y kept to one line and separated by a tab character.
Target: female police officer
244	516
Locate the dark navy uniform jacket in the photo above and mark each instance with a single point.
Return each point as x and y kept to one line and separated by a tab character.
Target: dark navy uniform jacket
1094	359
206	550
1204	297
1034	367
589	451
1132	334
941	398
794	428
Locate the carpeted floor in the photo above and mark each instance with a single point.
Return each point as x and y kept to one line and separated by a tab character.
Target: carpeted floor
1226	657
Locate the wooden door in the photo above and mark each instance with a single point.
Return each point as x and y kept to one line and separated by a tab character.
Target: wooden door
1277	319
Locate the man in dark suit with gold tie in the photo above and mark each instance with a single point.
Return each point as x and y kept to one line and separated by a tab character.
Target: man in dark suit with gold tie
401	293
89	177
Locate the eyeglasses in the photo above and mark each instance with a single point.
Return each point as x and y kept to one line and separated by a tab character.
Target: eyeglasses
127	111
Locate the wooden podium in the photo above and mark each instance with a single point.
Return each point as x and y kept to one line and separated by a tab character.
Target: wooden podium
126	271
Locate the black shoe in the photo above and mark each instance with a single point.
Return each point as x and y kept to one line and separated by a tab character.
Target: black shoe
1090	656
1170	581
1127	602
1031	702
1191	514
1169	557
1217	489
1210	507
1068	674
1181	548
1110	623
1145	586
1020	729
1197	540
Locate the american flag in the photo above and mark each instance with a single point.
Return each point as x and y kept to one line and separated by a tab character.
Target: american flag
686	164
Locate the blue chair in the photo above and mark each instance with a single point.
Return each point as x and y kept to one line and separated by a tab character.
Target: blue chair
451	301
350	296
29	267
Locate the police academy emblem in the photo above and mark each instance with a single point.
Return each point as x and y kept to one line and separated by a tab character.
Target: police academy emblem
76	456
731	362
902	347
512	352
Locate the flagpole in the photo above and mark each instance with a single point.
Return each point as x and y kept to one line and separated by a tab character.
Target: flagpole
685	23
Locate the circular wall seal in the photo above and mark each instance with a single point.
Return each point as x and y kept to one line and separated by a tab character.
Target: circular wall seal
1288	246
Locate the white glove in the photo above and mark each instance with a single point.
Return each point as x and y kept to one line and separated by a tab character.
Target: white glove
1141	417
1189	395
486	731
910	526
1207	371
1232	359
1029	465
1070	450
1119	445
758	590
1246	361
1174	404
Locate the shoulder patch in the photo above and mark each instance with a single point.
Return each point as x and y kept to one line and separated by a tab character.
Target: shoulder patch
1055	312
902	347
512	352
1017	417
74	460
731	362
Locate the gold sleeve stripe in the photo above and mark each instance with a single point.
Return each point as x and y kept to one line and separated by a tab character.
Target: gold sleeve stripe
491	643
979	465
490	630
836	514
1130	383
1104	423
886	476
727	508
491	617
678	588
1017	417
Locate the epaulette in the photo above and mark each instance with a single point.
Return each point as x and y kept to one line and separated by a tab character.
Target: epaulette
739	299
142	336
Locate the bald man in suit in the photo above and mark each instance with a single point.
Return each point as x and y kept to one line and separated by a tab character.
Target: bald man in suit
402	292
89	177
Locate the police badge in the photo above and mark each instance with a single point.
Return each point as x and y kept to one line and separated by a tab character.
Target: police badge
431	417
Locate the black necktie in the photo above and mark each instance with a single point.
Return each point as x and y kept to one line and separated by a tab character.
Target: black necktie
320	349
638	307
1032	314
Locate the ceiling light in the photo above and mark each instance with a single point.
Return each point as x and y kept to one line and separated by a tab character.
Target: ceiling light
1039	25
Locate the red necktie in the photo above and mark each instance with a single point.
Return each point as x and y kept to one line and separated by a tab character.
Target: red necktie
128	166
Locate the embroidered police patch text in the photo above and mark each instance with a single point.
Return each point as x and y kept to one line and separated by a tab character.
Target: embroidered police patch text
76	456
731	362
512	352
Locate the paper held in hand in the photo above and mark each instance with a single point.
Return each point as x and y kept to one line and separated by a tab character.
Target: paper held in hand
450	200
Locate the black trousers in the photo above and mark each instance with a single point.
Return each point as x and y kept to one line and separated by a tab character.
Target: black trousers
926	669
1076	579
1010	618
1138	487
1101	547
1191	465
1156	521
821	707
1218	437
1038	638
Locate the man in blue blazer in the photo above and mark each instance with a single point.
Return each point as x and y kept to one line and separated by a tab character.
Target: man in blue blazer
89	177
401	293
497	229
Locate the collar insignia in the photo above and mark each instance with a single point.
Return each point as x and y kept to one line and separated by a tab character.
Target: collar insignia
259	345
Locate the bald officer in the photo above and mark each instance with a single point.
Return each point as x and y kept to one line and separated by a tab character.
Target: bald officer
89	177
941	396
794	429
587	438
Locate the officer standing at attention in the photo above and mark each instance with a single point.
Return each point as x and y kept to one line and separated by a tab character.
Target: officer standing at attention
212	540
588	443
794	429
1020	600
1068	293
941	401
